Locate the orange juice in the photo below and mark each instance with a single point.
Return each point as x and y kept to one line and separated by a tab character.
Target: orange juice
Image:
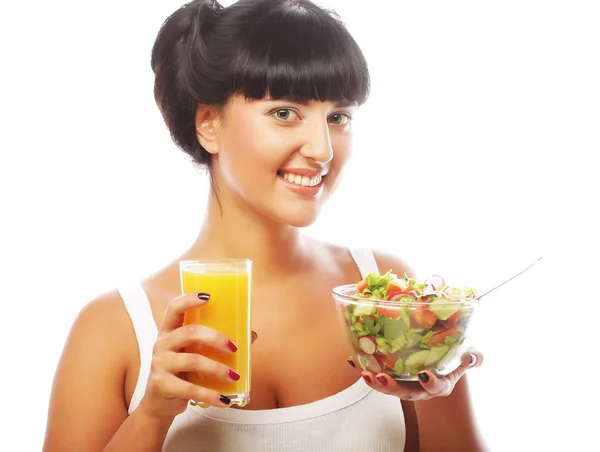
228	281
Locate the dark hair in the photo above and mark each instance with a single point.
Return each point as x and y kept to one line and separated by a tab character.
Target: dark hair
290	49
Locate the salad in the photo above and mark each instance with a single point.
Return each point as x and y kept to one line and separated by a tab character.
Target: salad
400	326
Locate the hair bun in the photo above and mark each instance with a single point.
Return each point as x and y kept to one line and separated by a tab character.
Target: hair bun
205	13
188	25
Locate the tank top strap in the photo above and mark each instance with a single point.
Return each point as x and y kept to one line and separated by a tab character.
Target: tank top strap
364	259
138	307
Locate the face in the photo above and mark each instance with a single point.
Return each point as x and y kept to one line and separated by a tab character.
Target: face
278	158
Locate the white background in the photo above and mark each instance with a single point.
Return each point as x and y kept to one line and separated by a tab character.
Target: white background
482	131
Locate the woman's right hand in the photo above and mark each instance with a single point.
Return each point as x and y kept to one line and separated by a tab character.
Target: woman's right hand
167	393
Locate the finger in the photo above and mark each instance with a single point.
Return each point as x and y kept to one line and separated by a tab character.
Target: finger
198	335
444	386
193	362
177	307
472	359
436	386
406	390
469	360
254	336
386	384
353	364
169	386
368	377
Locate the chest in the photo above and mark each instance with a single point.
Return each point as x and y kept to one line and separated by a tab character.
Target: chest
300	354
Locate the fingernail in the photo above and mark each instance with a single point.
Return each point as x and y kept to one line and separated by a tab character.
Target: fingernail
424	377
351	363
254	335
233	375
473	360
381	379
204	296
231	346
367	378
225	400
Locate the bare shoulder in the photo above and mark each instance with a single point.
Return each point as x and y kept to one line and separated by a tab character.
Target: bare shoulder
340	256
105	321
388	261
334	257
87	403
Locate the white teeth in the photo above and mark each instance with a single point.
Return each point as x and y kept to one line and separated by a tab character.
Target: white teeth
302	180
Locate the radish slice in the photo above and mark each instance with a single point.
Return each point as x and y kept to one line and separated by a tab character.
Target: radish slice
399	295
370	363
368	344
436	281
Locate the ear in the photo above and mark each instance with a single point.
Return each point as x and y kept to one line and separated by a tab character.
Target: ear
207	119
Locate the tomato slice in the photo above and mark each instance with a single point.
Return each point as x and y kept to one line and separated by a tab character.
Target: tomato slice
390	360
390	310
440	337
422	317
393	289
361	286
412	289
454	318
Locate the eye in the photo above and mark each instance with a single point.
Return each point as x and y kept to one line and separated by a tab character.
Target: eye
340	118
286	114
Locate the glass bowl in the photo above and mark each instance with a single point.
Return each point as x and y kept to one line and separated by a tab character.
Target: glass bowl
403	337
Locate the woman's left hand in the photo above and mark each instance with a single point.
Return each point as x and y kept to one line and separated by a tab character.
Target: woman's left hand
427	387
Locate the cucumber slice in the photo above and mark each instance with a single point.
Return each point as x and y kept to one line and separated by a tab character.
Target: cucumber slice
399	367
365	308
435	354
443	308
417	359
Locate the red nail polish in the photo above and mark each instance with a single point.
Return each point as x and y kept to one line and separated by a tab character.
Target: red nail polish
367	378
233	375
381	379
231	346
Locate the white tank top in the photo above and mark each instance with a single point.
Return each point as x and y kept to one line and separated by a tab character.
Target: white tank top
355	419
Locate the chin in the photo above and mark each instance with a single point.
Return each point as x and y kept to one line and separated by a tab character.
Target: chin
302	223
300	218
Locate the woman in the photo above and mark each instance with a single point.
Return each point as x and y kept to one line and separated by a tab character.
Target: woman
261	93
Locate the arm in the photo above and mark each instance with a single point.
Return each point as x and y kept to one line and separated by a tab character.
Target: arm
440	423
411	424
448	423
87	404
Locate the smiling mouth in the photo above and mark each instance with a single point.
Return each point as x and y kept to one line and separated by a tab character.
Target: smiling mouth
304	181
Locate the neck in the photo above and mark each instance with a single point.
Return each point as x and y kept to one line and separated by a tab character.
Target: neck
231	231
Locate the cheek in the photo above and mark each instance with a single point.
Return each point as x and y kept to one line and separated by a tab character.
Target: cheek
248	150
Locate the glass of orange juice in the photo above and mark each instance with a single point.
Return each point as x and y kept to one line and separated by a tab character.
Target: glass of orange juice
228	281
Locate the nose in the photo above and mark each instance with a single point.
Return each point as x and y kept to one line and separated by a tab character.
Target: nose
317	142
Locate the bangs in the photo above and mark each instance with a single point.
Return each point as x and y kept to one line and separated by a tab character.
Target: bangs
301	55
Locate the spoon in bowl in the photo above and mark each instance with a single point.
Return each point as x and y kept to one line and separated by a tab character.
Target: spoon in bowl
510	279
